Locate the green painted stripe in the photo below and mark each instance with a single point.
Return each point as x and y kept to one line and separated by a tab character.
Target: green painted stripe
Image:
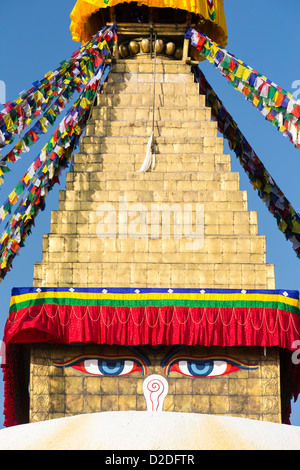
157	303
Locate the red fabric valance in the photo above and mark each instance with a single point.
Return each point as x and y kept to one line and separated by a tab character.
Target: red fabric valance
167	325
154	317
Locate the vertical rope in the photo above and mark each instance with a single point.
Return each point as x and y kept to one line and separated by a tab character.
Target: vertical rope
154	88
149	160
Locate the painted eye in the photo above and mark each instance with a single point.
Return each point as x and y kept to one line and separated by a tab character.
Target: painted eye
193	367
208	368
108	367
105	366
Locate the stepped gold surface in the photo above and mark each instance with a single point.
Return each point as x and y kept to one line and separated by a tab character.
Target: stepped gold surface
91	245
191	170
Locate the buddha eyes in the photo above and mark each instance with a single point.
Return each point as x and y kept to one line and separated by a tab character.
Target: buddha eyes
108	367
105	366
205	367
117	366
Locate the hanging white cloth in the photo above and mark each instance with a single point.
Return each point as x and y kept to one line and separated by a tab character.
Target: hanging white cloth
150	157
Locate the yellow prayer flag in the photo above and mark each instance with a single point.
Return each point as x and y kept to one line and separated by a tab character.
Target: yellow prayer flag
8	122
213	50
19	145
27	179
267	188
59	151
275	97
44	124
13	197
282	226
77	130
83	102
246	74
256	184
240	71
296	226
37	95
50	111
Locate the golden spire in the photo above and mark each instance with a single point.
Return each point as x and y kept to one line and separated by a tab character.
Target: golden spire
88	16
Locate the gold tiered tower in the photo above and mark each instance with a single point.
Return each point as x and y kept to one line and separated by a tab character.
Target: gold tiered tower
191	170
190	167
182	224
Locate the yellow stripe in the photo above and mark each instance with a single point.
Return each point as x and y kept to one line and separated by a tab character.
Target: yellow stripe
153	295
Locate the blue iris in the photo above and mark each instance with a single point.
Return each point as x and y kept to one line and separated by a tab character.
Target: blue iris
111	367
200	368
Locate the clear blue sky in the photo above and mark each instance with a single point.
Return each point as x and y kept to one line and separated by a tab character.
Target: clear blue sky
35	37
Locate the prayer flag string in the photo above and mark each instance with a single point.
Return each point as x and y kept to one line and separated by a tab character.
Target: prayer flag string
40	127
18	114
52	160
275	104
60	85
45	170
288	220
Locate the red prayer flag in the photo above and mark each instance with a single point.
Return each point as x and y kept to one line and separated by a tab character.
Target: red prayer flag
296	111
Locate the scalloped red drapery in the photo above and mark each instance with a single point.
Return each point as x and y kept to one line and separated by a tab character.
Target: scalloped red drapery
207	317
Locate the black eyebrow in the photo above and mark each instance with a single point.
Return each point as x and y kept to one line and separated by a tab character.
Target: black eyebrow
134	349
138	353
172	353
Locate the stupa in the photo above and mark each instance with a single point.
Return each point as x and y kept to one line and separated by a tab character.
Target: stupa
153	293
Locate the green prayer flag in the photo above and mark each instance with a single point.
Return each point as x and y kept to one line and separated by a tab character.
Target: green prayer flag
226	62
19	189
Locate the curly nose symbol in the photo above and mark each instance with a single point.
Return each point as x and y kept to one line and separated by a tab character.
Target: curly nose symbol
155	388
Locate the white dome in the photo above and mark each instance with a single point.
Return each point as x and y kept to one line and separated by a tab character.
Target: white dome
137	430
